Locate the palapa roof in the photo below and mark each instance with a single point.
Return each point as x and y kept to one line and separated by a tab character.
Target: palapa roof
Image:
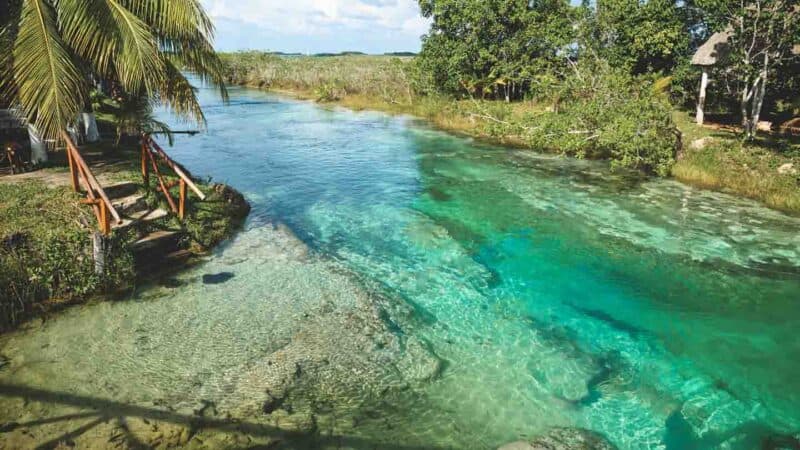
714	49
717	47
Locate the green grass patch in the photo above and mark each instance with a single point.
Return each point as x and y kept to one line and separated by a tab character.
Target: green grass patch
46	251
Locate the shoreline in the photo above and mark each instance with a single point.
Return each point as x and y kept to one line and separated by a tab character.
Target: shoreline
59	240
347	344
686	170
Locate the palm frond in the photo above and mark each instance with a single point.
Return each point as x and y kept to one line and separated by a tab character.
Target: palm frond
50	88
139	65
198	56
89	28
180	19
6	49
178	94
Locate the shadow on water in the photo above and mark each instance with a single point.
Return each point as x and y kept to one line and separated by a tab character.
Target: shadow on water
103	410
217	278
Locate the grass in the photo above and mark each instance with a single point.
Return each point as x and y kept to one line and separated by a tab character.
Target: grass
45	235
751	170
46	251
385	84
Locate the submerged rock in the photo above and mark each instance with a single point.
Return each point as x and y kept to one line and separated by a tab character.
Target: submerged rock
418	362
563	439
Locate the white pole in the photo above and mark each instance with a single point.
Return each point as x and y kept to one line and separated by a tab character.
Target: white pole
38	147
702	100
90	127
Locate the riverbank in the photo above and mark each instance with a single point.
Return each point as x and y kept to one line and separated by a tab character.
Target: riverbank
497	293
46	259
766	170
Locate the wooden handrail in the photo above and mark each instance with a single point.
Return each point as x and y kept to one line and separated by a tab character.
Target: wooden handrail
174	166
82	175
150	149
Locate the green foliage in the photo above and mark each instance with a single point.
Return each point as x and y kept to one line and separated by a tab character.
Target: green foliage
327	79
493	48
641	36
749	169
52	50
329	92
761	63
133	115
46	251
606	113
211	221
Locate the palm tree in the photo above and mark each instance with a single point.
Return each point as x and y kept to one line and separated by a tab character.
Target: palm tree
50	50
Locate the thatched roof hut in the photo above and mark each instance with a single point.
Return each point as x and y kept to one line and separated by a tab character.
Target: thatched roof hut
714	50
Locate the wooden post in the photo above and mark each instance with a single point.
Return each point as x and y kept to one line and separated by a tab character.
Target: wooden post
701	101
182	208
145	168
105	226
73	172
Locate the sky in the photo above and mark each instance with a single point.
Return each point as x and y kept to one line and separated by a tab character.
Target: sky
317	26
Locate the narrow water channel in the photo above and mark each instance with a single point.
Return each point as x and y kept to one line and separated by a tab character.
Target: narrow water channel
438	292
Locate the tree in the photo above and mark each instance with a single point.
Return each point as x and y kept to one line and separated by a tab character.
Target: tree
493	47
762	44
641	36
52	49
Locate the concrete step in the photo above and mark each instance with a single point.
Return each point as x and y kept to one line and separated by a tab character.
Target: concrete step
130	204
121	190
147	215
158	238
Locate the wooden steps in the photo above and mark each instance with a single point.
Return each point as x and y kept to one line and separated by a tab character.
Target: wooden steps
157	248
139	217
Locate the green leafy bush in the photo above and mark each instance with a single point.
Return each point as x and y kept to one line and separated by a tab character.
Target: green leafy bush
600	112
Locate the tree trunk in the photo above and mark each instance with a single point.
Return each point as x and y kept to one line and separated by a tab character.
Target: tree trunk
90	127
758	97
745	116
38	147
701	101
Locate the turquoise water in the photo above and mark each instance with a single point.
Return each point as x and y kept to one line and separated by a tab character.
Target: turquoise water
553	291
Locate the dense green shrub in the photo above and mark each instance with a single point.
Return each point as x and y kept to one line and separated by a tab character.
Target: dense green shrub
601	112
214	219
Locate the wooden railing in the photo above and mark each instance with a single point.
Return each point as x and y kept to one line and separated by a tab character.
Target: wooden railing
82	177
151	154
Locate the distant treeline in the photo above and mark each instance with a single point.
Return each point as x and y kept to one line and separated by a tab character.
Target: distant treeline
344	53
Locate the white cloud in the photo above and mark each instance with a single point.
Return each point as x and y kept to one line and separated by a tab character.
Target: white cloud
319	18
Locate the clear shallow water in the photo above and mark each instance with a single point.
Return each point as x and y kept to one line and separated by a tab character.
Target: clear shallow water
554	292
